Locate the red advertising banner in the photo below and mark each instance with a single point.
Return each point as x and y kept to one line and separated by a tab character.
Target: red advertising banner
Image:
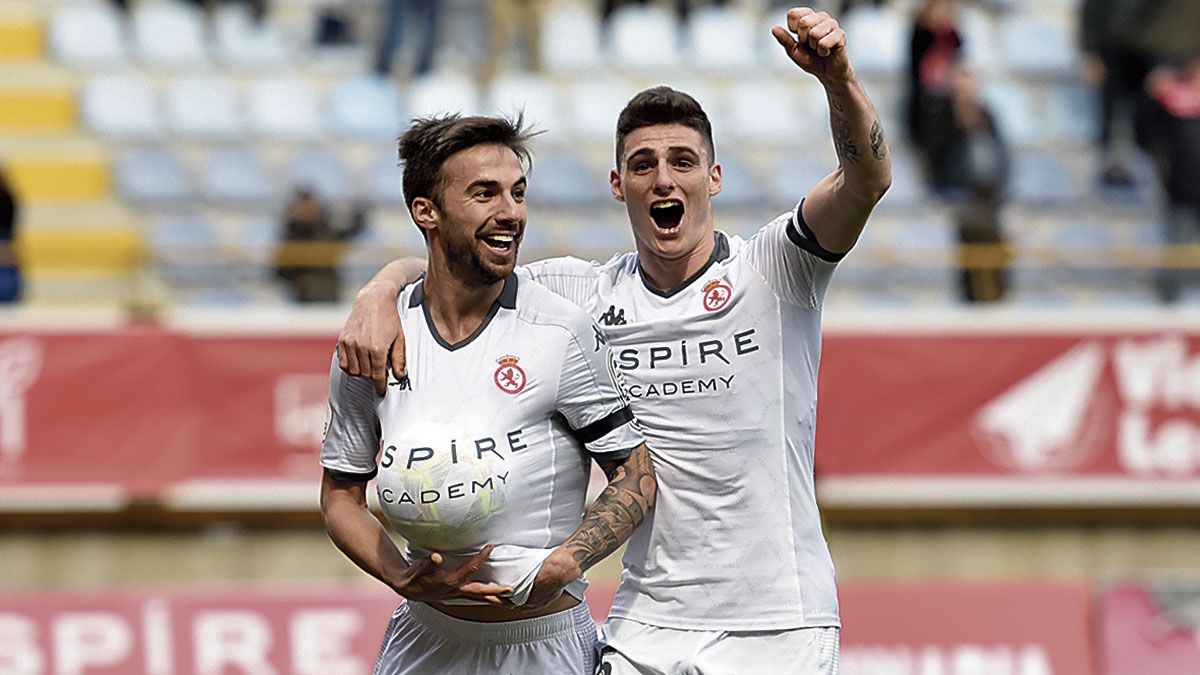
90	419
1006	418
923	629
1145	629
958	629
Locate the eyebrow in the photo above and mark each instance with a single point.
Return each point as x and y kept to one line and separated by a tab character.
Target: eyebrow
495	184
672	149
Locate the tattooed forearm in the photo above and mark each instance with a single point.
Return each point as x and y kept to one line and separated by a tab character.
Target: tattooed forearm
617	511
843	138
878	145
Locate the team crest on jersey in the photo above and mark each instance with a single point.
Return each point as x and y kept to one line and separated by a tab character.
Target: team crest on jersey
716	295
509	377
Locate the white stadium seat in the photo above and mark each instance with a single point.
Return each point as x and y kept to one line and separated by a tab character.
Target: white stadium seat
366	107
528	93
571	39
153	176
121	106
170	34
322	172
237	176
284	107
204	106
1036	45
592	106
721	39
88	35
877	40
644	38
243	42
443	92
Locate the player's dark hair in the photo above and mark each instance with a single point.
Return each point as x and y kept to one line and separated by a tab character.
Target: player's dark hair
663	105
429	141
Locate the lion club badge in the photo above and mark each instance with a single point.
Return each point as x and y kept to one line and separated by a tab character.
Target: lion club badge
716	295
509	376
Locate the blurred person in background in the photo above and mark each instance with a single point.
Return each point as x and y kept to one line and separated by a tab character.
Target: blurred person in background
1116	63
10	273
718	339
1169	128
682	7
506	18
935	48
973	172
311	270
483	467
398	26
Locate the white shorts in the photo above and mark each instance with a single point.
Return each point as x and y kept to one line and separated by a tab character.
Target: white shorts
633	648
422	641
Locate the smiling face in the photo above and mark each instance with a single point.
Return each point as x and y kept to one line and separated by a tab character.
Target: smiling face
667	178
476	224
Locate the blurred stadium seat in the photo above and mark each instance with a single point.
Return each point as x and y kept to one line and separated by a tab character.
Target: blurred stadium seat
571	41
284	106
241	42
122	106
1052	54
644	38
721	40
323	172
527	93
238	176
88	35
154	177
880	42
564	180
443	92
204	106
365	107
169	34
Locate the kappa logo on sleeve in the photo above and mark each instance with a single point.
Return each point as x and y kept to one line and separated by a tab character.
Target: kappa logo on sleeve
716	295
509	377
612	317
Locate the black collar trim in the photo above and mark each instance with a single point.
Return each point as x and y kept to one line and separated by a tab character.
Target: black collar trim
507	300
720	253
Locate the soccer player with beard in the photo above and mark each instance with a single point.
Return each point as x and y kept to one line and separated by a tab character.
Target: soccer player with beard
482	451
718	342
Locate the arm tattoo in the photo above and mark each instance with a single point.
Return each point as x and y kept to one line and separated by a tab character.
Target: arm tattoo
878	145
617	511
843	139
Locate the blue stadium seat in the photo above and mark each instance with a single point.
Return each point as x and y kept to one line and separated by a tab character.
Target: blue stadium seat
777	112
323	172
153	176
528	93
238	176
365	107
383	186
185	247
1011	103
242	42
1072	113
740	184
121	106
883	34
204	107
1042	179
791	175
87	35
1037	45
563	179
592	106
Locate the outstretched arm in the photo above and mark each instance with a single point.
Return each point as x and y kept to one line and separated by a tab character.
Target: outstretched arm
371	336
606	525
836	209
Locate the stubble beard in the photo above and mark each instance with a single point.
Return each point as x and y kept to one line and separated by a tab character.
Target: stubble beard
467	263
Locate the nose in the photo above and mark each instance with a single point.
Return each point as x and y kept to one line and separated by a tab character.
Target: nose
510	211
664	182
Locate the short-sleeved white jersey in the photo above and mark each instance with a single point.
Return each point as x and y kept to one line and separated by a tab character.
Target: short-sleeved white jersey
722	375
483	442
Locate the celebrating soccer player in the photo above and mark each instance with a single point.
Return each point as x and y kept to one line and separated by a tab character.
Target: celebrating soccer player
718	341
482	449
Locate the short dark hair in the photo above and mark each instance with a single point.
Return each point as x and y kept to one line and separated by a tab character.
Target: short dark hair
663	105
429	141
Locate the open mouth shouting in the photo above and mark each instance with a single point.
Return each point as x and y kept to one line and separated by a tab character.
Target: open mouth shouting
667	215
501	243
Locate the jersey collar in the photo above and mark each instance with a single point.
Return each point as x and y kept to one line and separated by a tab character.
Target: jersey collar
507	300
719	253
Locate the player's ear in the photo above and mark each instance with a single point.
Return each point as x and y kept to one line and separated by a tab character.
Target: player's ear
714	180
614	182
425	213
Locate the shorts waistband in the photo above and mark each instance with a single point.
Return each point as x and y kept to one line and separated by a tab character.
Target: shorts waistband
565	622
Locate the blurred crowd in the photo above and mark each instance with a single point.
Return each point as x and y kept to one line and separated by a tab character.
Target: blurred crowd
1141	57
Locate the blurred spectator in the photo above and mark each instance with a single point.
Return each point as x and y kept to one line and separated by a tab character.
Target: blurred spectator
309	268
936	47
505	17
1116	63
1169	126
398	13
10	274
976	169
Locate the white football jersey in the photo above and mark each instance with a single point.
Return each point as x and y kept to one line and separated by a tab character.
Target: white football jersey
484	441
722	375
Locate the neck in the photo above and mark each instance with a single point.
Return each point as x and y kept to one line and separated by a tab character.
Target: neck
665	274
457	307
